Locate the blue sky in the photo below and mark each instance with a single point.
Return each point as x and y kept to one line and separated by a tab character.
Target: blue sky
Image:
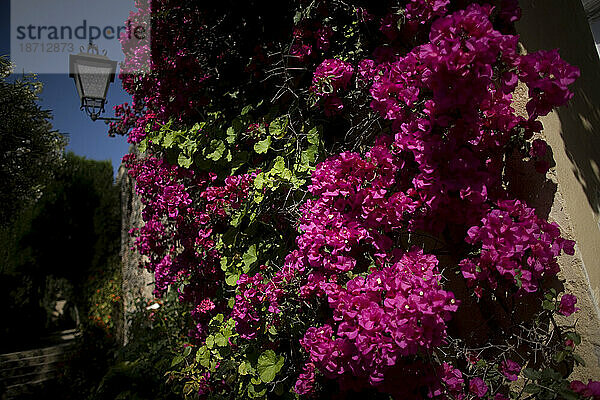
86	138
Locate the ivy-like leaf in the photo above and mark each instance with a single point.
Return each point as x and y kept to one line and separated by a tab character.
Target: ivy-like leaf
278	166
184	161
244	368
219	147
269	364
203	356
249	258
231	277
231	135
313	136
278	127
262	146
178	359
259	181
220	340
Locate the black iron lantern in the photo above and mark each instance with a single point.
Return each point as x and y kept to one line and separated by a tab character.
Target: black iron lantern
93	73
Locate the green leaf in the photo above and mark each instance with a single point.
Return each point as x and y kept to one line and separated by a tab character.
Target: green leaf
548	305
189	146
518	279
297	17
169	139
262	146
249	258
143	146
313	136
220	340
190	387
231	278
231	135
177	360
203	356
224	261
259	181
244	368
237	219
237	125
309	155
217	319
531	374
279	389
575	337
210	341
568	395
246	110
578	359
255	381
269	364
532	388
184	161
187	351
219	147
278	166
254	394
278	127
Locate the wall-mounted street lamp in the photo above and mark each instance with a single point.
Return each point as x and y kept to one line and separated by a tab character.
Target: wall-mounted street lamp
93	73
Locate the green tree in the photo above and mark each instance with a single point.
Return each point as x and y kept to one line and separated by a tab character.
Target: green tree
71	233
30	150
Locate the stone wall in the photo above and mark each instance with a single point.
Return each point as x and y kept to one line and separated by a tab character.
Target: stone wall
137	282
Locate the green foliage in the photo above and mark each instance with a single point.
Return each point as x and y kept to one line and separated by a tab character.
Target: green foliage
30	149
269	364
72	233
547	384
139	368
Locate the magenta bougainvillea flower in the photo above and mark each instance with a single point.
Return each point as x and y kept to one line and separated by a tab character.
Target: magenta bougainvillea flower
567	305
331	77
434	88
478	387
510	369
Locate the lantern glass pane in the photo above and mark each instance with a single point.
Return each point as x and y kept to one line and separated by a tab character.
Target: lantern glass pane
78	86
94	80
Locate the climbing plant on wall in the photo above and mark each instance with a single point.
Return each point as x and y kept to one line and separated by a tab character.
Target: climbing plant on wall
324	187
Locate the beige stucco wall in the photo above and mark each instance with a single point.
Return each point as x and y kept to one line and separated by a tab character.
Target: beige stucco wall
573	133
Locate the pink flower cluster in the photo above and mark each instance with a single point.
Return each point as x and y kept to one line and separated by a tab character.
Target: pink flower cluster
177	236
448	106
391	313
423	11
567	305
252	296
589	391
516	246
330	78
547	76
306	38
510	369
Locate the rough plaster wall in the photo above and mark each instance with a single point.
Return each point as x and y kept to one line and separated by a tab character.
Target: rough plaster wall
570	195
137	282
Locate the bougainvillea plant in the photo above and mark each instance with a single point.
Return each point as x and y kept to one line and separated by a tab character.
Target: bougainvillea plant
324	186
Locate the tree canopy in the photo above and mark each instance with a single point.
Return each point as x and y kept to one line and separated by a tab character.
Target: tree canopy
30	149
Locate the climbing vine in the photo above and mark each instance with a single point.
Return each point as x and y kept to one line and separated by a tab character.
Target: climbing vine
324	185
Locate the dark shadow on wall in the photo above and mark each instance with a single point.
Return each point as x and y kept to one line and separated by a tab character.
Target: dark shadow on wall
549	24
